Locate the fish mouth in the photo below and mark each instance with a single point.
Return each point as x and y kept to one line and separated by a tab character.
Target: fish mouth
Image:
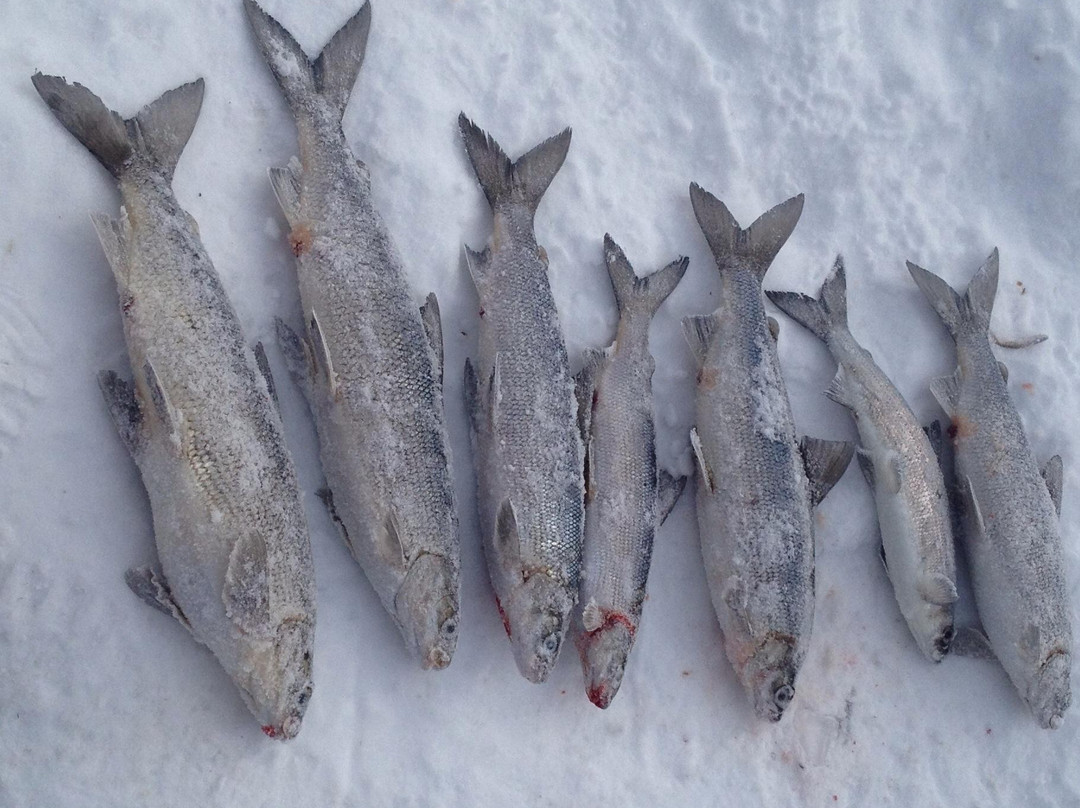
288	729
943	642
437	659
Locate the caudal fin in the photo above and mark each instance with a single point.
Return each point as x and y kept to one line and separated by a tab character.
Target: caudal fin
757	245
968	312
159	132
822	315
524	180
640	294
333	72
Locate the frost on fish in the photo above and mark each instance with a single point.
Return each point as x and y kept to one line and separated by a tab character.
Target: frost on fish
235	559
520	397
1011	509
756	483
628	497
900	464
368	359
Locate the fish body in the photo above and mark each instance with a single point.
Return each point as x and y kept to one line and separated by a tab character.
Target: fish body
628	497
901	465
369	360
199	421
1011	509
756	483
521	400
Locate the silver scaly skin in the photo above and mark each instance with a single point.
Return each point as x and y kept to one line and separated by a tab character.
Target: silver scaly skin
899	462
1010	508
199	421
520	396
626	496
370	360
756	483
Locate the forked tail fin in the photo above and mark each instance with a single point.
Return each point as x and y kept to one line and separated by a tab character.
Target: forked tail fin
968	312
640	294
160	130
524	180
822	315
333	72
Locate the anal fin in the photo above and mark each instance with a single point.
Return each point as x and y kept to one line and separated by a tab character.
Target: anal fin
298	356
1052	474
264	368
825	462
946	390
970	642
668	490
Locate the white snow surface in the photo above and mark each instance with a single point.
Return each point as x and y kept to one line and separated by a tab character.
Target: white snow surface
917	130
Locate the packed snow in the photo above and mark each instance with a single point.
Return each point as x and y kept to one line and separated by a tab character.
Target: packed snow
923	131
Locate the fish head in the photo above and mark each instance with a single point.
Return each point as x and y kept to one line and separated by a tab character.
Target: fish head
1049	693
537	617
426	609
770	676
277	682
604	650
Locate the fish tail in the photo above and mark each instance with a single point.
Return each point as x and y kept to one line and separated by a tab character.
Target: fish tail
632	292
733	246
823	315
333	72
969	312
524	180
160	130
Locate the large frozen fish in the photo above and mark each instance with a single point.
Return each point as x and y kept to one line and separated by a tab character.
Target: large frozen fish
627	497
901	465
756	483
1011	509
520	397
370	360
199	421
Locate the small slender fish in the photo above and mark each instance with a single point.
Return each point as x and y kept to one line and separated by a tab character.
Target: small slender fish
369	361
1011	509
899	462
200	420
626	496
756	483
521	401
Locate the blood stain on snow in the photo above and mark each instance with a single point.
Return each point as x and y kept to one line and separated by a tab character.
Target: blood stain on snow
1028	387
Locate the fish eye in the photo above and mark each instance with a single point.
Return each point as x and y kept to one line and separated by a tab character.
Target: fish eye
783	695
305	694
449	627
551	643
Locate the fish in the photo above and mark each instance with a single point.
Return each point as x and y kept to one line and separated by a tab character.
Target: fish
627	496
900	463
522	407
756	483
199	419
368	360
1010	508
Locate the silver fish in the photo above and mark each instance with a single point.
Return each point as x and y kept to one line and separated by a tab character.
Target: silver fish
526	446
370	360
756	484
199	421
1010	509
626	496
900	464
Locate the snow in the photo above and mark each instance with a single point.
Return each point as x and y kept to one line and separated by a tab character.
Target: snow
922	131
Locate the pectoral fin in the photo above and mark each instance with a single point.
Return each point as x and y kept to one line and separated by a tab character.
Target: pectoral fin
298	357
169	418
970	642
388	544
1030	643
286	184
322	355
507	537
703	466
150	585
866	466
264	368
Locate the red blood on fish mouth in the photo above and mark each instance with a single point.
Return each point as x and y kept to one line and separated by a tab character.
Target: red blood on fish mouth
598	696
270	731
502	614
